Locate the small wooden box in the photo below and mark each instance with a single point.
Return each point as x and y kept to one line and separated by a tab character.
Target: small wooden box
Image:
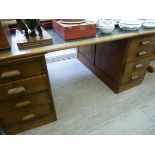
68	31
23	42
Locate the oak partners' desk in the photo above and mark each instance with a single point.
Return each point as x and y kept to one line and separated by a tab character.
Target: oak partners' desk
119	59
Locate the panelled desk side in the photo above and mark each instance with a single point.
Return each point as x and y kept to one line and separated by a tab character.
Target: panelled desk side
25	96
120	64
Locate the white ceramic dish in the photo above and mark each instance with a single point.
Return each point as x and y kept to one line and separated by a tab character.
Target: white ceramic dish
129	29
131	22
130	25
106	28
149	23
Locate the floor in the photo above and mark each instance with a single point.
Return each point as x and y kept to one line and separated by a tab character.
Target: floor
85	105
61	55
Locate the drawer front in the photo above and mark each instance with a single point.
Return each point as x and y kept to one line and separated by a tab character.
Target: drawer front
25	115
136	67
140	47
130	85
22	87
20	69
22	102
20	127
134	76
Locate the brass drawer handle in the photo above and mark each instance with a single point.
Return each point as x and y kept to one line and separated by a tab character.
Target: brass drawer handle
28	117
145	42
22	104
142	53
10	74
139	66
17	90
134	77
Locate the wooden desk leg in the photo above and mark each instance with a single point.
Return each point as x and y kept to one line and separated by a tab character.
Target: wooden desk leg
151	69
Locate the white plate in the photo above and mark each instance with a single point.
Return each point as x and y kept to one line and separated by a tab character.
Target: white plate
131	22
129	27
147	25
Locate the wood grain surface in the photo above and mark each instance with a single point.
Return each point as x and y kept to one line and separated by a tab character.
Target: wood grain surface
60	44
23	42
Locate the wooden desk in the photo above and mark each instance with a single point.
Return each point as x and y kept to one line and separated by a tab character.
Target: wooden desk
119	60
151	68
4	36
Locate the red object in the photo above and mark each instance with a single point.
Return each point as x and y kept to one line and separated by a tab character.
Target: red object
74	31
47	24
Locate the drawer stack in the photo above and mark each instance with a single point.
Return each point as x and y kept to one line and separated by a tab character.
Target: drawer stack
25	96
139	51
120	64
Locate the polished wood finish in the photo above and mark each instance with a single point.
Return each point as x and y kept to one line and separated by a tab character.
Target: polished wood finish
19	116
26	99
136	66
108	62
60	44
88	52
112	58
132	77
151	68
120	64
29	124
23	42
109	58
21	69
129	85
24	86
140	47
4	36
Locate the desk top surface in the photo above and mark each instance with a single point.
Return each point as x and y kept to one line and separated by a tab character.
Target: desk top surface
60	44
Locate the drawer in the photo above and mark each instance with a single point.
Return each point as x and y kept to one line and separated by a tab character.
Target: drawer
136	66
134	76
20	127
25	115
127	86
20	69
22	87
29	100
140	47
